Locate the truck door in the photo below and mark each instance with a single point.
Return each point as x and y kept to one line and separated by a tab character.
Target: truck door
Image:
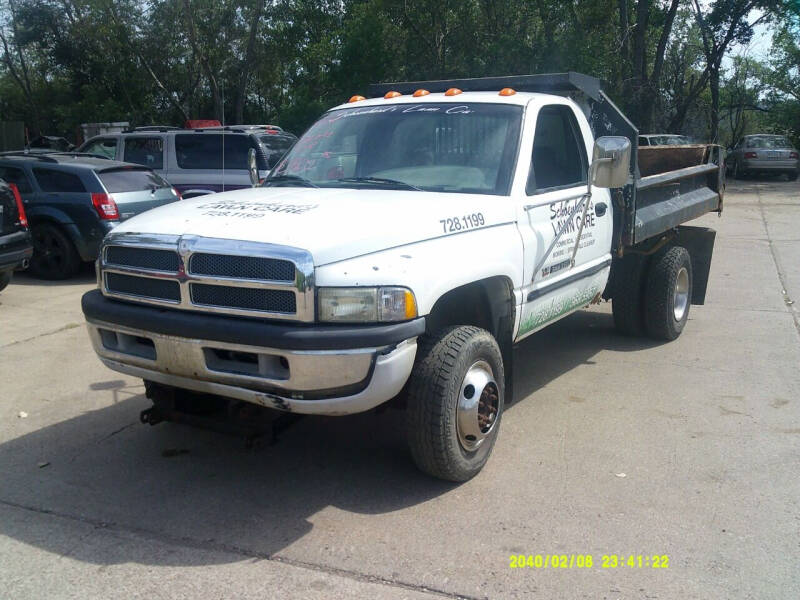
551	213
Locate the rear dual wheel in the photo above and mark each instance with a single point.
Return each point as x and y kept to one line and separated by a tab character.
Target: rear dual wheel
668	293
654	296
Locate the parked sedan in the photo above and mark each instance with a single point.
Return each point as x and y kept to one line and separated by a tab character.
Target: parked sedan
763	153
15	240
72	201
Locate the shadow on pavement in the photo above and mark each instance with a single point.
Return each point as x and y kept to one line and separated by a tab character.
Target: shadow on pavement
200	487
84	276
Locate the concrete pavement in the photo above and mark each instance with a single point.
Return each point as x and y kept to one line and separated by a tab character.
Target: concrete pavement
615	446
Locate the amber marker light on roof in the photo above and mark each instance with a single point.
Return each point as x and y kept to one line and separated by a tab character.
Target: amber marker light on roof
356	98
392	94
419	93
453	92
508	92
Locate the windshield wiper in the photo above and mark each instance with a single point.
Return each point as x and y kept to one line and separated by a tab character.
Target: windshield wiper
288	179
380	181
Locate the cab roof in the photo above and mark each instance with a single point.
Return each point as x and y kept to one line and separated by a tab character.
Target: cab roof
517	99
515	89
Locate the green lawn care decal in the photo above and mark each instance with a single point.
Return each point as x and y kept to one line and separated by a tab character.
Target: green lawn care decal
557	307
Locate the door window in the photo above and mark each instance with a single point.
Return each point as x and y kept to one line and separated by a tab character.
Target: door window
204	151
51	180
103	147
147	151
559	156
17	177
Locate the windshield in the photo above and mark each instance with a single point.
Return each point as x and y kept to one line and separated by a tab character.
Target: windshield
467	148
772	141
669	140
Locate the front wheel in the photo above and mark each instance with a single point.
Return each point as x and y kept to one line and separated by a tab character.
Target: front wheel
455	402
54	256
5	279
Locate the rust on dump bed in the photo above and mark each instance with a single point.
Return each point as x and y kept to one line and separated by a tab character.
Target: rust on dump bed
660	159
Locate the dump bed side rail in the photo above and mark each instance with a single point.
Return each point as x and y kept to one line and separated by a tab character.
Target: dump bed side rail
669	199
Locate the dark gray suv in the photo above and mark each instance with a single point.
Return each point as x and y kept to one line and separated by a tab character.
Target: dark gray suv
72	201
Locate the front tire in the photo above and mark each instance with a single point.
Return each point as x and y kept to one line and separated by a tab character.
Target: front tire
668	294
5	279
54	255
455	402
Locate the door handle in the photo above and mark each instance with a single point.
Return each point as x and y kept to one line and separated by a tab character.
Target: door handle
600	209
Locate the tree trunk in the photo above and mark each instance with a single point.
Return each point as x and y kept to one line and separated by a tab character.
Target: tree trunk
714	88
651	83
204	64
241	89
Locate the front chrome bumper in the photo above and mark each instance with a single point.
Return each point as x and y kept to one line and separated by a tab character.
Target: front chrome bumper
328	382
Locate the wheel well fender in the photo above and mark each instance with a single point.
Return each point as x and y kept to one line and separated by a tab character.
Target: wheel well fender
64	223
488	304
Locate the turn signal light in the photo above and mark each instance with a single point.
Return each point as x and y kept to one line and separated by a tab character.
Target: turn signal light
419	93
106	207
356	98
453	92
507	92
392	94
23	219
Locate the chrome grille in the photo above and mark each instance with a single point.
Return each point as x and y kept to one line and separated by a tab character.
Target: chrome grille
243	267
145	287
209	274
243	298
143	258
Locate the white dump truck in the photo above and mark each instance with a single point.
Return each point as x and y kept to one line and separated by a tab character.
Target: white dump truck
398	252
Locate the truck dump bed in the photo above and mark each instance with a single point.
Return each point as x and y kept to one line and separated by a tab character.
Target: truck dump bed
668	186
677	184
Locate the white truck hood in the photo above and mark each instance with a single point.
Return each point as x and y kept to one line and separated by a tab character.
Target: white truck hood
333	224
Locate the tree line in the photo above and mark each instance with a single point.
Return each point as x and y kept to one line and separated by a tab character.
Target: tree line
675	66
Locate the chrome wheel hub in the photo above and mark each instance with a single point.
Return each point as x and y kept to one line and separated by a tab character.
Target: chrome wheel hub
680	299
478	406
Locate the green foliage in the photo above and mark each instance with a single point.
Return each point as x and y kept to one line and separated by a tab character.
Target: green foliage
285	61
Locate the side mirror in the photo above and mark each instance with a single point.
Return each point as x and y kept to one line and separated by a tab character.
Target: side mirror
252	166
611	161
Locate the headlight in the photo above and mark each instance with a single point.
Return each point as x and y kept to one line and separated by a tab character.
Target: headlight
365	304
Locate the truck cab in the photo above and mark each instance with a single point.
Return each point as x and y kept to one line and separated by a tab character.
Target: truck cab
398	252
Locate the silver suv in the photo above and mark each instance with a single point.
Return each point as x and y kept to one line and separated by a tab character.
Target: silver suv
197	161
